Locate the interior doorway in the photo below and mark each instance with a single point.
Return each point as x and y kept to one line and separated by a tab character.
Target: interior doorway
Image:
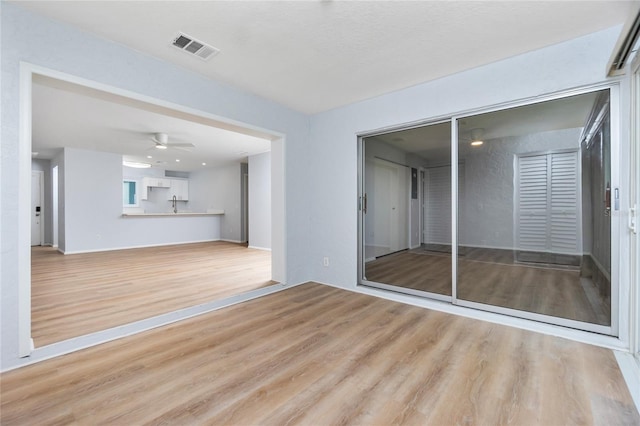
61	178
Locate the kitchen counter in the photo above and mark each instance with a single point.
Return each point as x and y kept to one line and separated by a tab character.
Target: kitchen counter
181	214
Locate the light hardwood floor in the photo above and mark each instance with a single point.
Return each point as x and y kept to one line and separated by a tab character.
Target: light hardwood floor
490	277
316	355
78	294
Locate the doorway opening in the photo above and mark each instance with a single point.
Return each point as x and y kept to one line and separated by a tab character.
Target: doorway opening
83	191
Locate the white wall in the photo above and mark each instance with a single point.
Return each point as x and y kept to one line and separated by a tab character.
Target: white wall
93	210
334	133
260	201
39	41
219	188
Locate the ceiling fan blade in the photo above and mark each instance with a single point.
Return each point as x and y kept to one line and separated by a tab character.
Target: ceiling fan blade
181	148
181	145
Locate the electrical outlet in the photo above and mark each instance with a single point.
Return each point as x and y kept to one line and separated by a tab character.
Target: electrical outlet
325	261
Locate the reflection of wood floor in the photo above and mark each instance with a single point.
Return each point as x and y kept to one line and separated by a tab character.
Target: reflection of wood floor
491	277
78	294
316	355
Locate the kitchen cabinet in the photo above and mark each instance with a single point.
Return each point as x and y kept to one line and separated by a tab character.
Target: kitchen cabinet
156	182
152	182
179	188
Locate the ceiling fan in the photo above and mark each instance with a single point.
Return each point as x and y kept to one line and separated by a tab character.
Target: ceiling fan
162	142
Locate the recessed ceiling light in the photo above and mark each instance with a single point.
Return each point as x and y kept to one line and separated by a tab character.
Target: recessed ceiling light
34	153
177	160
148	156
476	143
204	164
136	164
158	146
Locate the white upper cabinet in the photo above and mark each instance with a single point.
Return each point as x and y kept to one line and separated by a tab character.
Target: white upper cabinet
156	182
179	188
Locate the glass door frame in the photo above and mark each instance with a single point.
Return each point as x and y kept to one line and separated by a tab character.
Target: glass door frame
634	194
618	309
614	102
362	207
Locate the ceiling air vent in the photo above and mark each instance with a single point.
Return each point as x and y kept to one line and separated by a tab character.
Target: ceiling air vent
194	47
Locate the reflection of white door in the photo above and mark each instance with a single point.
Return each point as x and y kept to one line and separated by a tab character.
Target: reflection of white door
389	206
37	178
381	201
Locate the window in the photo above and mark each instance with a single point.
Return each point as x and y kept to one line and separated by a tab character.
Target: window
130	193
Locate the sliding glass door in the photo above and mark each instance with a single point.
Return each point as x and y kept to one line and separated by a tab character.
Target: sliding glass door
407	222
534	211
527	220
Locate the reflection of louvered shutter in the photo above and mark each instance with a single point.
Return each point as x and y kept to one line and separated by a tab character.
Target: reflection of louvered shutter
439	205
548	215
532	203
437	212
564	203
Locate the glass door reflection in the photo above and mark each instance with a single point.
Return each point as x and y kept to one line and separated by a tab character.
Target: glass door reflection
407	224
534	215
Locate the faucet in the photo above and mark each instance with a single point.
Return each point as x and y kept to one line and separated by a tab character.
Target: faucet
175	204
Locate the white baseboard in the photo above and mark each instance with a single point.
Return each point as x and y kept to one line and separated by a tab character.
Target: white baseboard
232	241
260	248
135	247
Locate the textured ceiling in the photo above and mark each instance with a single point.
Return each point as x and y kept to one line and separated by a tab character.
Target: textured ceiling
317	55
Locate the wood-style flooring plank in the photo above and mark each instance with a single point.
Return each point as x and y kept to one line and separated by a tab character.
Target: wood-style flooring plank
77	294
318	355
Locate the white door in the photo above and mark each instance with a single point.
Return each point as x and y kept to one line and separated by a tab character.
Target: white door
37	178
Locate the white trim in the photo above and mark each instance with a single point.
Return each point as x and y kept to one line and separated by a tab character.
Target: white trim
454	210
104	336
619	307
634	197
137	246
406	290
231	241
260	248
278	178
24	217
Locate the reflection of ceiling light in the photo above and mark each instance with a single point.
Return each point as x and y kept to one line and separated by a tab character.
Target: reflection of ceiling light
148	156
158	146
136	164
34	153
476	143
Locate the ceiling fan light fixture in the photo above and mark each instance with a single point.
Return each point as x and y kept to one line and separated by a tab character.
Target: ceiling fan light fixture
136	164
477	143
